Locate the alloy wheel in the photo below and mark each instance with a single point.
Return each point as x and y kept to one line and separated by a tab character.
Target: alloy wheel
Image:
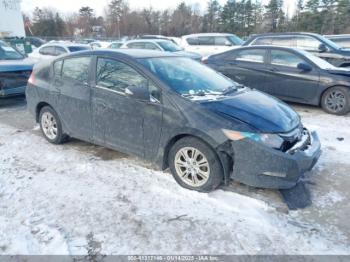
49	125
192	166
335	101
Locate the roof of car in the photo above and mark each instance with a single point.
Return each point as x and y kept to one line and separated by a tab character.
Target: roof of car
337	36
62	43
285	33
132	53
147	40
207	34
262	47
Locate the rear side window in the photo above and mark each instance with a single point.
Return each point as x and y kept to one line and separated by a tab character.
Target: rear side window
262	41
136	45
117	76
76	68
251	55
48	50
284	58
57	68
151	46
60	50
286	41
206	40
192	41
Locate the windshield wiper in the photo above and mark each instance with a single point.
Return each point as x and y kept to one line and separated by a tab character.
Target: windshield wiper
229	90
200	93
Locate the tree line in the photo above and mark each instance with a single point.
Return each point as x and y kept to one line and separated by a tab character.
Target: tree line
241	17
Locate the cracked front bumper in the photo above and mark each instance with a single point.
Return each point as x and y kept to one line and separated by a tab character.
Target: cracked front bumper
260	166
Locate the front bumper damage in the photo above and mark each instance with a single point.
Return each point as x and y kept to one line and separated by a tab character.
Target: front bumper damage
260	166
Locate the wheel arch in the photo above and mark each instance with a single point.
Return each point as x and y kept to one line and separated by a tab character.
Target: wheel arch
38	108
225	159
326	89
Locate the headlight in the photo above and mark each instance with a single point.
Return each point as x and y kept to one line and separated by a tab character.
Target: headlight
270	140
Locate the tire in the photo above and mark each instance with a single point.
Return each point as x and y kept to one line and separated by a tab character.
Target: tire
203	153
336	100
48	116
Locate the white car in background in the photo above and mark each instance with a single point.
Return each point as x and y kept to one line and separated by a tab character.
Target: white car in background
160	45
210	43
99	44
54	49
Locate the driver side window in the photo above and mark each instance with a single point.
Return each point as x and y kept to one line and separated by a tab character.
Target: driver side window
284	58
308	43
117	76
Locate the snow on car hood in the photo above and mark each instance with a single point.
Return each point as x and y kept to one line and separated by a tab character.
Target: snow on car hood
16	65
257	109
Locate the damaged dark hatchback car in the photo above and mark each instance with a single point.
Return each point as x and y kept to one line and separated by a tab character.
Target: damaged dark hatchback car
174	112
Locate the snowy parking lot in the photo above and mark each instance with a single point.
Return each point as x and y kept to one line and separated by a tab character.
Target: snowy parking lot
78	198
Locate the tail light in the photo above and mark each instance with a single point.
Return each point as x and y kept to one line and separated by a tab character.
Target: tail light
31	79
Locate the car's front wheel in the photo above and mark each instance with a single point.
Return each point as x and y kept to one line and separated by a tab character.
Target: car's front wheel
51	126
195	165
336	100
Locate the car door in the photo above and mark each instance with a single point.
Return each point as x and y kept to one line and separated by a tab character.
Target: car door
74	98
207	45
192	45
247	67
287	81
122	122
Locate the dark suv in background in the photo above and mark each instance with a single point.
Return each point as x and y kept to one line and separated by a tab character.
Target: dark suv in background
314	43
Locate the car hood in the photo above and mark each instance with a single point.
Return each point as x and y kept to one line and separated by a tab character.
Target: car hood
261	111
16	65
339	71
189	54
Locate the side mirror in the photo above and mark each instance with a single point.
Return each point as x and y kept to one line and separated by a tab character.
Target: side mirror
304	67
228	43
138	92
322	48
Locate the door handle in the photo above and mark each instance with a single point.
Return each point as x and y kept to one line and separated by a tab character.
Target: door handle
273	69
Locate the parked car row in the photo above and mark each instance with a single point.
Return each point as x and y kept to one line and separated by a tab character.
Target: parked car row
289	74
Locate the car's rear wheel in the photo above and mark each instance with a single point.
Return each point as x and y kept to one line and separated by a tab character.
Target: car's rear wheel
336	100
195	165
51	126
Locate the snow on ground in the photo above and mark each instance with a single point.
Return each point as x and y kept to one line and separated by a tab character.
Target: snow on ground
67	200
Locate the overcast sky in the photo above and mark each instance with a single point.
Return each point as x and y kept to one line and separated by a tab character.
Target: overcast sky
69	6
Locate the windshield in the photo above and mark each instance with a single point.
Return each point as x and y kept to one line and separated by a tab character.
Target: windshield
188	77
77	48
169	46
235	40
321	63
9	53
